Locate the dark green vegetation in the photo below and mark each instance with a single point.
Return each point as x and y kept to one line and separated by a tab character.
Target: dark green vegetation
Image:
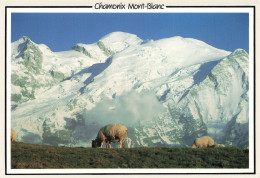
42	156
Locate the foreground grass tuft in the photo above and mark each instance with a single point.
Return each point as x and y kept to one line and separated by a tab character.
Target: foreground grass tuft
42	156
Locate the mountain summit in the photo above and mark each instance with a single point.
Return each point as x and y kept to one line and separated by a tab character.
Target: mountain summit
167	92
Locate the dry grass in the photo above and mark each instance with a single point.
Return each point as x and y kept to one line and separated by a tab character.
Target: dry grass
42	156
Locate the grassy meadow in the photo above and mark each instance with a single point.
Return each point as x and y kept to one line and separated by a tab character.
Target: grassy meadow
33	156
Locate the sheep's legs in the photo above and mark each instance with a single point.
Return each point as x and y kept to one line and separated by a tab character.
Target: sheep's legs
108	144
122	143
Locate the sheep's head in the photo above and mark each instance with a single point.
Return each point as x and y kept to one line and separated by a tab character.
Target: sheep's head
193	146
96	143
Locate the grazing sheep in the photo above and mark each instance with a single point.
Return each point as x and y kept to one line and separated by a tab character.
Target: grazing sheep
203	142
219	146
110	133
13	136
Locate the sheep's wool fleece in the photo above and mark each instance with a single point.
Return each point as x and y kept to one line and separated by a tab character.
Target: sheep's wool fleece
220	146
204	141
114	130
13	135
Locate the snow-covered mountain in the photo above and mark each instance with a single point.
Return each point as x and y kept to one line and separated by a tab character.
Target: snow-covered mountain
167	92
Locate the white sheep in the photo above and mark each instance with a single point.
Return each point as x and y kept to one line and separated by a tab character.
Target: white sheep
219	146
110	133
203	142
13	136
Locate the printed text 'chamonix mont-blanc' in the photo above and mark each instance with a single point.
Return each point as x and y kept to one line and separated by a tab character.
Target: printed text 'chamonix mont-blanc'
129	6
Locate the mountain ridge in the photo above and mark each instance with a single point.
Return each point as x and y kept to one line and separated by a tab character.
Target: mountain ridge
161	77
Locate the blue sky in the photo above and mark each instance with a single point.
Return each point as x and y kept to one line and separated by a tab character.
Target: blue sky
61	31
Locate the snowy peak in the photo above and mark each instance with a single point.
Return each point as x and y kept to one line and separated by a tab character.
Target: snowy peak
108	45
19	45
239	50
28	54
24	39
241	53
22	45
238	58
188	51
118	41
121	37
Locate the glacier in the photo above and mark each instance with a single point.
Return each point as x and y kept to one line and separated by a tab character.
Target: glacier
167	92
